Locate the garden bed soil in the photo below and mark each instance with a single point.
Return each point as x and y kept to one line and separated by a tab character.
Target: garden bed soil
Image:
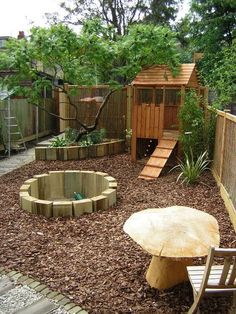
90	259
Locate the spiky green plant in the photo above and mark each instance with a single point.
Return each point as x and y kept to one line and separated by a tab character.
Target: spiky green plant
191	169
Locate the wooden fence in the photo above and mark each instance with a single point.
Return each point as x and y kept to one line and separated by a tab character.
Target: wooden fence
113	118
33	123
224	162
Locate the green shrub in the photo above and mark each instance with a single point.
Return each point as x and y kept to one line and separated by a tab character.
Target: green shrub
59	141
71	135
210	128
95	137
191	118
191	169
197	128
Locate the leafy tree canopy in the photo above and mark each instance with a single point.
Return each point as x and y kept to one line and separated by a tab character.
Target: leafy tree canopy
88	58
162	12
118	14
223	76
146	45
210	28
214	23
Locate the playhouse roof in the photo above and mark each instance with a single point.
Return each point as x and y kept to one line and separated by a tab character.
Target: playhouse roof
161	75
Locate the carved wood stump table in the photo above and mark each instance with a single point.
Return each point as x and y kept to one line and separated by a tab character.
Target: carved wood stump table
173	236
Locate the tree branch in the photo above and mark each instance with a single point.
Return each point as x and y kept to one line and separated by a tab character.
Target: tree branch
91	128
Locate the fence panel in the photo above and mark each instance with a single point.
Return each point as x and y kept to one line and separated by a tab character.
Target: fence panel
229	162
218	145
25	114
224	163
113	116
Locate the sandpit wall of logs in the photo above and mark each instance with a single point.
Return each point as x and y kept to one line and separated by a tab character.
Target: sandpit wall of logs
51	195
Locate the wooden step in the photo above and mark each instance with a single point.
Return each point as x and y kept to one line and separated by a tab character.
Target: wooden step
151	171
161	153
168	144
158	160
146	178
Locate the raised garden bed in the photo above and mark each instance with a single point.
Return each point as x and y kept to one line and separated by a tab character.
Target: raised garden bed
51	194
78	152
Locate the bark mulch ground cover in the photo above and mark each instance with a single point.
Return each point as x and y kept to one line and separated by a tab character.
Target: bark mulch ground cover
90	259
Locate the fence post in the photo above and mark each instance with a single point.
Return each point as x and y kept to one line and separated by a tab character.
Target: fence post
223	145
63	108
129	105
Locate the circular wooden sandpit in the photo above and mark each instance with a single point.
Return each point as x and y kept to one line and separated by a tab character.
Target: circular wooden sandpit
51	194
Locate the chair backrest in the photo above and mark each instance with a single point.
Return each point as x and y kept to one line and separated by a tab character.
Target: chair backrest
219	277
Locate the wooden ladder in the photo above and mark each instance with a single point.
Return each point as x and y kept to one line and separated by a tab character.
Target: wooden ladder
158	159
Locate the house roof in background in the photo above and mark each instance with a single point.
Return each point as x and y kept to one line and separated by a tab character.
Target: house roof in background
159	75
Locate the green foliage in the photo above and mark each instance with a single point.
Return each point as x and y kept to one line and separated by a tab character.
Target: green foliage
71	135
222	76
197	127
213	24
85	143
191	118
192	168
209	131
59	141
162	12
95	137
212	32
146	45
88	58
118	15
128	133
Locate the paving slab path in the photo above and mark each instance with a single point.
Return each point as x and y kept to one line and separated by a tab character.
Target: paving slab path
16	161
18	298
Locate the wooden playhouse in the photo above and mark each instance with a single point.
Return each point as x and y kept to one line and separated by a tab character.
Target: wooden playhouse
156	101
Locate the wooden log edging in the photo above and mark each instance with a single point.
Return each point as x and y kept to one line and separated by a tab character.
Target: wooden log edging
55	296
51	195
78	152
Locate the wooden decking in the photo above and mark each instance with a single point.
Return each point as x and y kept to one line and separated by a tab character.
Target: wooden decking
158	159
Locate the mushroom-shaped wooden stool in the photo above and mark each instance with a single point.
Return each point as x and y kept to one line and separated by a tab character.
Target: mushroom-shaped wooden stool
173	235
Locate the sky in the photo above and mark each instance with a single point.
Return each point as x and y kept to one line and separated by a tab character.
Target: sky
21	15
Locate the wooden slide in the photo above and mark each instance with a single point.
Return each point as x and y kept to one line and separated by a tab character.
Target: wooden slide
158	159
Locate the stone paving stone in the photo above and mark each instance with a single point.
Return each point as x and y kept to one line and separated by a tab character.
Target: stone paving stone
34	284
40	288
17	276
41	306
23	278
58	297
16	161
5	285
12	273
45	291
28	281
75	310
69	306
64	301
52	295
